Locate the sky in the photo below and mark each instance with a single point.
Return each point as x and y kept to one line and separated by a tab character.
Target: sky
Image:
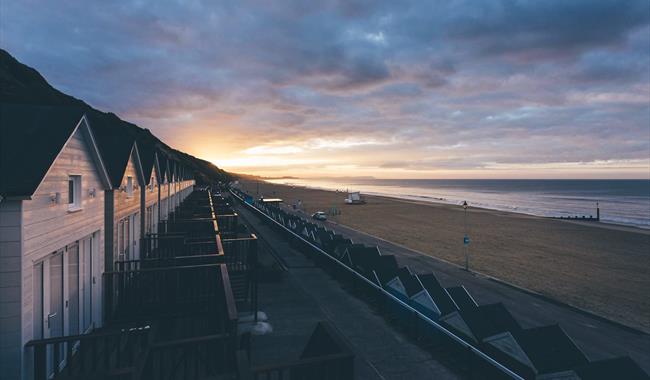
390	89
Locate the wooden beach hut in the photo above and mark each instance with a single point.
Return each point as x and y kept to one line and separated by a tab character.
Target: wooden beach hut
51	228
541	351
438	301
117	143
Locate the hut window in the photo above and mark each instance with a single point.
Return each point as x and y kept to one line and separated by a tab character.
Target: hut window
74	192
129	186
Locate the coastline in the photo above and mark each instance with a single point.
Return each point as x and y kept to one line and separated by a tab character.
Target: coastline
598	267
450	197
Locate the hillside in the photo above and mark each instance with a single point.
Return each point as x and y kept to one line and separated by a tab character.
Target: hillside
21	84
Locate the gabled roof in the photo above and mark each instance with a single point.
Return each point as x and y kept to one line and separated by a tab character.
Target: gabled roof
386	268
31	138
488	320
438	294
461	297
550	348
147	150
411	284
115	144
163	162
616	368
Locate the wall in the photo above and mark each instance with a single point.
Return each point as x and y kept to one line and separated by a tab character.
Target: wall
10	240
151	200
125	205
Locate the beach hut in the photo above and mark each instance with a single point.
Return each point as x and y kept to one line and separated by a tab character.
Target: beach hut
51	228
542	351
385	269
336	240
121	155
616	368
163	187
150	192
404	285
437	301
480	322
341	248
363	259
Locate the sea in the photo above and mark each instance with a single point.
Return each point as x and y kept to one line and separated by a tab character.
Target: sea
624	202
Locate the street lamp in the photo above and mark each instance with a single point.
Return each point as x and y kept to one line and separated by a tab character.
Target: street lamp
466	237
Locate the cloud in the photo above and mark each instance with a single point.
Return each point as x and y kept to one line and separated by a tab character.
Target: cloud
414	85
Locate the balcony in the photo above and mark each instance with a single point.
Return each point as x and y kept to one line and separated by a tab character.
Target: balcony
173	314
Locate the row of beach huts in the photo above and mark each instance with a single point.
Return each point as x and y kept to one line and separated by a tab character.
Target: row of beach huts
78	191
488	336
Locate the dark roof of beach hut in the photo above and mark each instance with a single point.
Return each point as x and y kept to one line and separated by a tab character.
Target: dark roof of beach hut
341	247
411	284
115	139
489	320
386	268
616	368
461	297
439	295
550	348
31	137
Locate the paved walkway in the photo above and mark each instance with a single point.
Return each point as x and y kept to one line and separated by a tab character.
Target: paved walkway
307	295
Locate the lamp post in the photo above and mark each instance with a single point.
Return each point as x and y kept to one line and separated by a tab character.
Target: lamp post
466	237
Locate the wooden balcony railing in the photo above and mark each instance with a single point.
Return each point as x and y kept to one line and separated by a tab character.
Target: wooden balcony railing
134	265
240	254
198	227
115	354
149	293
190	358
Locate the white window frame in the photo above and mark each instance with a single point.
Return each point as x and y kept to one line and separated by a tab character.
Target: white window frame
75	205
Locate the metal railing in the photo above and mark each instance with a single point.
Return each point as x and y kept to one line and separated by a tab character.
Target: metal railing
472	355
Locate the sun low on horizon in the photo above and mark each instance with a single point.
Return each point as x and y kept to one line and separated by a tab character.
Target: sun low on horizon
410	89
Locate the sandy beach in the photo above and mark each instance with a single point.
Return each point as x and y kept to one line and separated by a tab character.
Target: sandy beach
598	267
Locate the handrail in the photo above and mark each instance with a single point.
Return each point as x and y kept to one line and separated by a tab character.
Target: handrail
162	269
453	336
230	298
93	335
193	340
249	238
220	250
150	259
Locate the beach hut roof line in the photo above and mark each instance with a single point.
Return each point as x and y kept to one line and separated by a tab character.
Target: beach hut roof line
438	294
116	144
489	320
461	297
505	348
616	368
31	138
147	149
409	281
550	348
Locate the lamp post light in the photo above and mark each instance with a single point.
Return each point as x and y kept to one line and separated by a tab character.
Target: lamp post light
466	237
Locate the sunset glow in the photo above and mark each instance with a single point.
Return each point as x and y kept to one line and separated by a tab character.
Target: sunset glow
424	90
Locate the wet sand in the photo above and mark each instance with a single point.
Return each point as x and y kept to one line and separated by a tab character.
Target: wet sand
602	268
